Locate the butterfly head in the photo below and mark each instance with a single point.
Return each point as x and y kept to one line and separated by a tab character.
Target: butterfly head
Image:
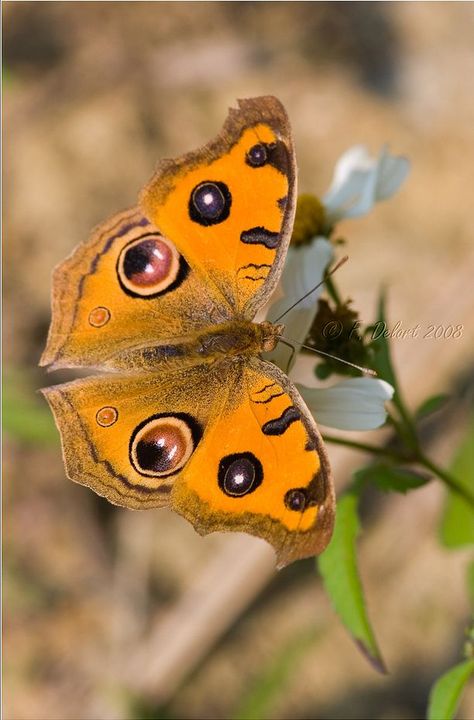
269	335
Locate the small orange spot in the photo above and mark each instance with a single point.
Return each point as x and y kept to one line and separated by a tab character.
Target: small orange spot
106	416
99	316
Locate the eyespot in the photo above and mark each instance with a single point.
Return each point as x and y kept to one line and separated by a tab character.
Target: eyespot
210	203
296	499
239	474
106	416
163	444
257	155
99	316
148	266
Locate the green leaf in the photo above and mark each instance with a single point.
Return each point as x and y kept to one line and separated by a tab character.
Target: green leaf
457	525
390	478
430	405
338	568
446	692
26	417
270	686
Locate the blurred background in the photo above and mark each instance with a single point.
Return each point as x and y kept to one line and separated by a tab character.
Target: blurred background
95	596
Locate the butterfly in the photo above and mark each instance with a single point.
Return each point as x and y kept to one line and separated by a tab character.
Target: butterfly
161	299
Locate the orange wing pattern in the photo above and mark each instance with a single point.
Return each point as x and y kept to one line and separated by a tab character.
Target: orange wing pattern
126	287
229	207
272	471
229	447
209	245
195	421
101	422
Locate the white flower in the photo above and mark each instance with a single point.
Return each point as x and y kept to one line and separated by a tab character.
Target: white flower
360	181
304	269
354	404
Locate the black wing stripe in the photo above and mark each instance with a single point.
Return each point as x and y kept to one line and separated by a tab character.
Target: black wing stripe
261	236
279	425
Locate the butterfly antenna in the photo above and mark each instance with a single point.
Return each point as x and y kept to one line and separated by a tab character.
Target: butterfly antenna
326	275
289	342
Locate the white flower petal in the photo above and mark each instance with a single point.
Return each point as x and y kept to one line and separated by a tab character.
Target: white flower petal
354	404
304	268
392	171
352	191
352	199
360	181
356	157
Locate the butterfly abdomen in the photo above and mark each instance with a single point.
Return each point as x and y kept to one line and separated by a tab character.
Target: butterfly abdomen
236	338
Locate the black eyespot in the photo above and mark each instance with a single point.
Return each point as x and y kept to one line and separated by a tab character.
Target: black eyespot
162	444
210	203
239	474
257	155
149	266
295	499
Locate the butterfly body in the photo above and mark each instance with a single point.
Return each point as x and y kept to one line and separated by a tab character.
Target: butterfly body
238	338
163	297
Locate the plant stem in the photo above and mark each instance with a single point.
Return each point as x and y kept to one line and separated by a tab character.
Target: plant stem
364	447
447	478
409	429
418	457
403	426
332	290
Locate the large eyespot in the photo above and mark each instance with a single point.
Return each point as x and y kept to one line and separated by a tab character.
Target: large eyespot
239	474
163	444
210	203
149	266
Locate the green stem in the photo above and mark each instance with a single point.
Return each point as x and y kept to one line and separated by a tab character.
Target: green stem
404	427
447	479
419	458
364	447
332	290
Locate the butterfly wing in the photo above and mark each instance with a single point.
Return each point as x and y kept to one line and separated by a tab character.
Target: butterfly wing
229	446
263	469
128	436
229	207
151	276
127	286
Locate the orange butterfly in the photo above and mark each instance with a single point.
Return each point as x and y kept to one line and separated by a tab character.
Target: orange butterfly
163	297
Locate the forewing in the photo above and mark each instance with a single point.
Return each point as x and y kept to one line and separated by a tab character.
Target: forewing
126	286
229	207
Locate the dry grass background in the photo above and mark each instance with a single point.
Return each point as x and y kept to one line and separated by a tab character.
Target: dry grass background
94	94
